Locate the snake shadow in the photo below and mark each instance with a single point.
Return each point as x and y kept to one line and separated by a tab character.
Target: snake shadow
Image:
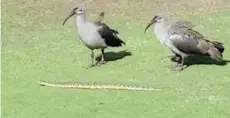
204	60
113	56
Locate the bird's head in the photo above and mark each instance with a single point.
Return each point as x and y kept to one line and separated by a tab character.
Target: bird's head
76	10
158	18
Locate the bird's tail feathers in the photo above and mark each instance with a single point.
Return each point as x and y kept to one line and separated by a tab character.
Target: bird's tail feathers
218	45
114	41
214	53
117	38
114	31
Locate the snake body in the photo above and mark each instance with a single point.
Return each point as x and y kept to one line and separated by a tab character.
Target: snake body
79	85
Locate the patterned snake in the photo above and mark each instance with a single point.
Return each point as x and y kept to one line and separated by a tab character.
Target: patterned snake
79	85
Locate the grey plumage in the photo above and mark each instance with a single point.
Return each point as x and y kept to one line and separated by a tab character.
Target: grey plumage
95	35
183	40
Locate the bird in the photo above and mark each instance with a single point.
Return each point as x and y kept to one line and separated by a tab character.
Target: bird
95	35
181	39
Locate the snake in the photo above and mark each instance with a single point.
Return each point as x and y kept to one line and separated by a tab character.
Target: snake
81	85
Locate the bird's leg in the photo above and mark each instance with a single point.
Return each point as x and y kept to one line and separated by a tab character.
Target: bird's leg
181	65
174	65
93	59
102	61
176	59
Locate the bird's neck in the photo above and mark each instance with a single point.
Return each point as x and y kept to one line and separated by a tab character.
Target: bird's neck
80	19
160	32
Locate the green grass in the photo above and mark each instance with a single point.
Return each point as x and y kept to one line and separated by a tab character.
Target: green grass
35	46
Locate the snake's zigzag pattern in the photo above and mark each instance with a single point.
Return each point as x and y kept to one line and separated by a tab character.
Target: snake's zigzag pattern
79	85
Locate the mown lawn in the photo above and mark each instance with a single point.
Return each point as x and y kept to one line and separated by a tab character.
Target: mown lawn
35	46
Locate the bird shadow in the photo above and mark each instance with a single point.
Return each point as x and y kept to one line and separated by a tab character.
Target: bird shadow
113	56
204	60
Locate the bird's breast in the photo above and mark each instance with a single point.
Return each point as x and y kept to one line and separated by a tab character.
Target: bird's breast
90	37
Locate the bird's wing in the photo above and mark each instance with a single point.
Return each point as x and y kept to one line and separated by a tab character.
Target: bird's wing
188	41
109	35
104	30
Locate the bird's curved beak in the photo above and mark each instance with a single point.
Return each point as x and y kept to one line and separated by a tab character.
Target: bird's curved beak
150	23
70	15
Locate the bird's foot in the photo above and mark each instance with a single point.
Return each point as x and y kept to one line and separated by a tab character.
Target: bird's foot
173	65
175	59
101	62
178	68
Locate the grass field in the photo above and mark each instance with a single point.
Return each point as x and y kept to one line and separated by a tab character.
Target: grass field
35	46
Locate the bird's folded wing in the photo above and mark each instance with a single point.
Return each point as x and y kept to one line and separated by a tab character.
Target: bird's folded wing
109	35
185	40
105	30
